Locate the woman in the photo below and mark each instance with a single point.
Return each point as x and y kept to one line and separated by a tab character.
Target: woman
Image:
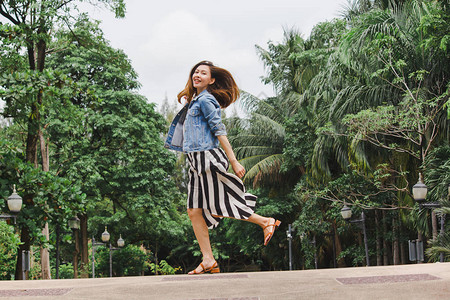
197	130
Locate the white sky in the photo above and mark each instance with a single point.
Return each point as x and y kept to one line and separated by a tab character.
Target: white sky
164	39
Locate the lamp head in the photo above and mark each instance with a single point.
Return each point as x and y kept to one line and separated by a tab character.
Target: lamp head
15	202
105	236
346	212
419	190
74	223
120	242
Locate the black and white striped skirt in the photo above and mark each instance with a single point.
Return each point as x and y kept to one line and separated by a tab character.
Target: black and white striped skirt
217	192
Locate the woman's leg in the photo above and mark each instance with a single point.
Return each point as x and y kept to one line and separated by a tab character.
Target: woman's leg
259	220
202	234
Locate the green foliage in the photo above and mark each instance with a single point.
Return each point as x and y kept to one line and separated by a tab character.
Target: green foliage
163	268
106	154
10	242
299	141
370	98
435	25
354	254
362	104
258	141
127	261
437	177
65	271
54	199
108	139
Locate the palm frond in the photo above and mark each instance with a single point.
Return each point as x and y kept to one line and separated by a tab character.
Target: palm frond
266	169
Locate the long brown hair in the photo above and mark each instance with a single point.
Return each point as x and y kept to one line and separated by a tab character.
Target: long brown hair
224	88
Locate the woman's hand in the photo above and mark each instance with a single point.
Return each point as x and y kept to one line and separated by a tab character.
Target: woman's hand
238	169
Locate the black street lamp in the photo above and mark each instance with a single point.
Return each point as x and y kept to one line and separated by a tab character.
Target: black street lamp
289	237
14	205
105	238
419	191
346	213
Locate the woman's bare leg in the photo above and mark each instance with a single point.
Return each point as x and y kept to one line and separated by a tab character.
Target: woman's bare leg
202	234
263	222
259	220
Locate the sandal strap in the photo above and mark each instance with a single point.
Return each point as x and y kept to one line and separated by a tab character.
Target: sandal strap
273	224
210	268
270	225
214	267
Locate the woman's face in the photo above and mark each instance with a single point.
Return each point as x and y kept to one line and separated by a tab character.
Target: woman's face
201	78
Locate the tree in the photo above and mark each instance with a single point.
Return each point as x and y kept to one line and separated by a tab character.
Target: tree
438	182
386	94
114	147
28	27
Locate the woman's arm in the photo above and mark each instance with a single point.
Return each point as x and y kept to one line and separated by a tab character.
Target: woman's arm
237	167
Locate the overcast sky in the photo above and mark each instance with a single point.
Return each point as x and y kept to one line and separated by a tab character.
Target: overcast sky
164	39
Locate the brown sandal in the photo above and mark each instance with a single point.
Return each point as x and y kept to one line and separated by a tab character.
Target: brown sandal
268	235
213	269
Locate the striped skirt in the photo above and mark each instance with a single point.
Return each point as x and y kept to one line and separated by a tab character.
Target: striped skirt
219	193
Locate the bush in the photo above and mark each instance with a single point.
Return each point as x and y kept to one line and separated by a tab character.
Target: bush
163	268
127	261
9	242
65	271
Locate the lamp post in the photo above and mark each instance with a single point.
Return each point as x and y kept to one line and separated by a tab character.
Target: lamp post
419	191
14	205
346	213
105	238
74	224
289	237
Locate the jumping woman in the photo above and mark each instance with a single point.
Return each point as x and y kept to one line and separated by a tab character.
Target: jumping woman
197	130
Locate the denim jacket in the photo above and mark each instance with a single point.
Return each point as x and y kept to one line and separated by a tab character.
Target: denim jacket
197	125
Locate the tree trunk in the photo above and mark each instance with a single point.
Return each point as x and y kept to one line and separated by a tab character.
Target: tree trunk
25	238
340	262
361	244
395	245
156	258
403	248
378	239
403	254
434	224
84	266
75	255
385	244
36	58
45	256
30	156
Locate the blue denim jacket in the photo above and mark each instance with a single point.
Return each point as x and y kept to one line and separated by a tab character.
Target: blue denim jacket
197	125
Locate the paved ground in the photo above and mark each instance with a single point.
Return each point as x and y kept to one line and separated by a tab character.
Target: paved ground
423	281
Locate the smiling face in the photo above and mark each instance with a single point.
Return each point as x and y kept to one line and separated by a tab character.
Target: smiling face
201	78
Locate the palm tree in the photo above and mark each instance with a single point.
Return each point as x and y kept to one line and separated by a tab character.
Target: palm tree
386	71
378	64
258	141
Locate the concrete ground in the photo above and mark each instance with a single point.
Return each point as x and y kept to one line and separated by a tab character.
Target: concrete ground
418	281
